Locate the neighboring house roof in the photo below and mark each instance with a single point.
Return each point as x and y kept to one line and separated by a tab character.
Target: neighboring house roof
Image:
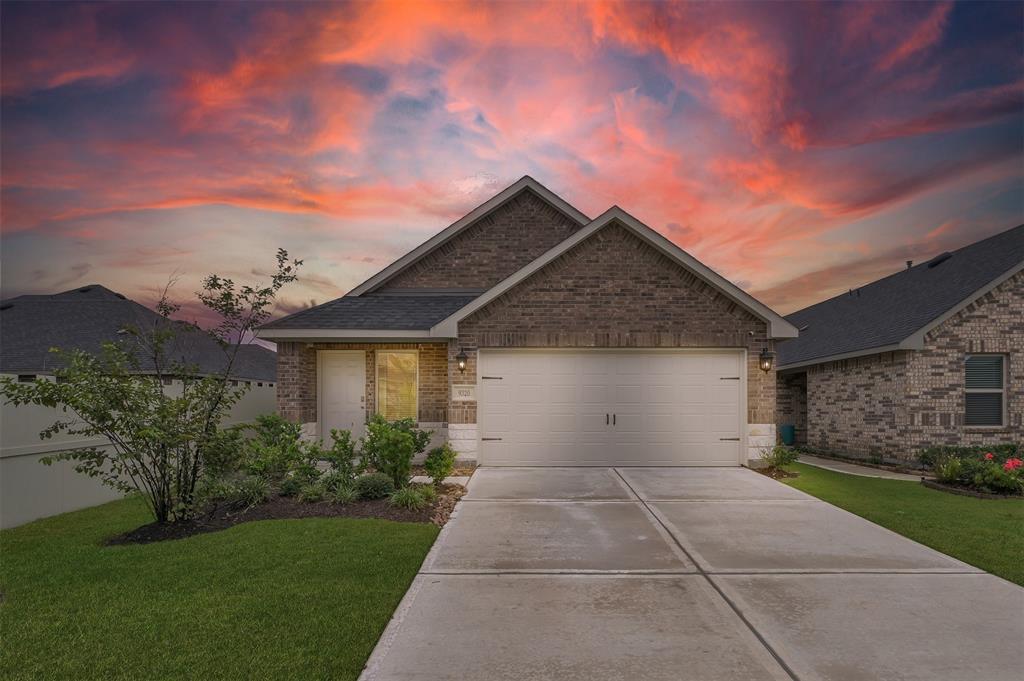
896	312
526	183
777	326
86	317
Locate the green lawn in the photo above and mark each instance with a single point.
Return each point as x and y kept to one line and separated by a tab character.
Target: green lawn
987	533
296	599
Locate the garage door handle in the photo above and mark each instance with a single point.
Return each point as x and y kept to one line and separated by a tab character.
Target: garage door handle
729	378
490	439
613	419
606	419
730	439
491	378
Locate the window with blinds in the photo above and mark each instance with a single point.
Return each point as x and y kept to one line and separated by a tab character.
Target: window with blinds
397	384
985	390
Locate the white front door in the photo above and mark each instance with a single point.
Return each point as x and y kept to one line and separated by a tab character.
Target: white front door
342	379
611	407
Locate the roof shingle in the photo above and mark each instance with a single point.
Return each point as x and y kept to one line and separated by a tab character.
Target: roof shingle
86	317
889	310
376	312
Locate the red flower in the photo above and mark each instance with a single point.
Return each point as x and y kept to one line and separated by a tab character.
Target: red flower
1012	464
989	456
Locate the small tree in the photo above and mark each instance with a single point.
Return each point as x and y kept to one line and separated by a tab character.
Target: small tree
159	434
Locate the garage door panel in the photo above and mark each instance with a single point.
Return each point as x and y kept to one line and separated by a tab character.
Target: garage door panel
550	408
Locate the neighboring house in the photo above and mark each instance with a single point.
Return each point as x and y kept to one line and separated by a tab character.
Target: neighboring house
528	334
931	355
84	318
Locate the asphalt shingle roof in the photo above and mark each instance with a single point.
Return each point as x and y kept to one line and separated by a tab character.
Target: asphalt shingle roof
86	317
380	312
889	310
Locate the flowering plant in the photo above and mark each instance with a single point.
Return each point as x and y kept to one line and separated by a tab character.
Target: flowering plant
1012	464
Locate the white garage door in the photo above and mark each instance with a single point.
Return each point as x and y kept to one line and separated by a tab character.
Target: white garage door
620	408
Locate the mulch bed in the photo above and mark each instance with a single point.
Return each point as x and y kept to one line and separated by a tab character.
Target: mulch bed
966	491
278	508
777	473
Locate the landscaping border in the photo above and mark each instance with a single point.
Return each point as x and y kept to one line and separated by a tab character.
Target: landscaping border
931	484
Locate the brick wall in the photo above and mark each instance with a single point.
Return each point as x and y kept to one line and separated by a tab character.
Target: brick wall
492	248
853	405
791	403
935	376
893	404
296	383
615	290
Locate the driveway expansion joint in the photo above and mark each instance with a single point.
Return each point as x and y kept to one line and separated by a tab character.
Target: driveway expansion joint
702	572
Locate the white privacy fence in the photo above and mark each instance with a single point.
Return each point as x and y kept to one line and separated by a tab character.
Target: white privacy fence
30	490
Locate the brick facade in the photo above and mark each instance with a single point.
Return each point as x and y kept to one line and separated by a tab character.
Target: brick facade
297	387
890	405
614	290
791	404
492	248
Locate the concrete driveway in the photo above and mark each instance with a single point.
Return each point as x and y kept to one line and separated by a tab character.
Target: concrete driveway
687	573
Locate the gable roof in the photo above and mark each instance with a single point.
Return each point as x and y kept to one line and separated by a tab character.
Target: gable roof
86	317
897	311
777	326
525	183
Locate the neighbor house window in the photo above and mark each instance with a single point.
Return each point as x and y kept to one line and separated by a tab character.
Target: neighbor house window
985	390
397	384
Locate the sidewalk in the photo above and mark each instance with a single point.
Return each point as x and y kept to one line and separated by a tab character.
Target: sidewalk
856	469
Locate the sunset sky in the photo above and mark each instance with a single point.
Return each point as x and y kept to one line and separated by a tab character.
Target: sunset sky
798	149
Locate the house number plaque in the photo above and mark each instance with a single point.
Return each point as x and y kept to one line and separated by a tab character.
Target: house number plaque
463	393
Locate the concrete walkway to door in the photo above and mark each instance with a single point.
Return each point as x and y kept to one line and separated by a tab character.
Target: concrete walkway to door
687	573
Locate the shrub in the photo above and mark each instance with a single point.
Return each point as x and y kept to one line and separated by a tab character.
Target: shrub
250	491
335	480
985	473
779	456
374	486
344	494
440	462
409	497
307	472
428	492
342	454
930	456
311	492
233	492
290	486
276	447
223	452
389	447
949	470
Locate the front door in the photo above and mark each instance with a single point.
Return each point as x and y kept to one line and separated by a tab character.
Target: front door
342	392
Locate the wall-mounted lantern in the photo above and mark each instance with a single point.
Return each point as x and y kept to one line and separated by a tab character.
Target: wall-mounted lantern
766	360
461	359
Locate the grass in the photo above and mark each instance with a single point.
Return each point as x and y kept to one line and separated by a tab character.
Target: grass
289	599
986	533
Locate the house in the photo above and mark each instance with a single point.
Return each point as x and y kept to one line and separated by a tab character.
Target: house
931	355
527	333
84	318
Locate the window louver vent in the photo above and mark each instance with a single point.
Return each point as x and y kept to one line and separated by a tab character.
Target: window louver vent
983	399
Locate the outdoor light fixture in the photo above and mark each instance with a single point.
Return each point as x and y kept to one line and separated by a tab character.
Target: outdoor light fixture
767	359
461	359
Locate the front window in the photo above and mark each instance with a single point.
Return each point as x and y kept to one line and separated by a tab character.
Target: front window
397	384
985	396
